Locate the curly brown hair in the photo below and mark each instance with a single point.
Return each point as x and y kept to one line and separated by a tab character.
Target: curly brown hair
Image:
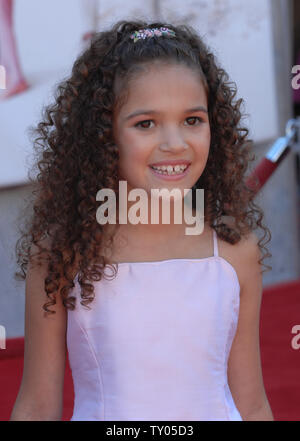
77	156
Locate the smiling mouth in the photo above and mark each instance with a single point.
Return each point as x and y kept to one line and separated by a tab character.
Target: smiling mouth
169	170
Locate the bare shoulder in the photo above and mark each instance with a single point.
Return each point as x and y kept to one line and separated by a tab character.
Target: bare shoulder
244	366
243	256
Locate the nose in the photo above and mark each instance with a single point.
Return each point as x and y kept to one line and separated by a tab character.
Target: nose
173	142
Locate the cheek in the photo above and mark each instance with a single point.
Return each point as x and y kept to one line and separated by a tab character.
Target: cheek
133	150
133	157
203	143
207	133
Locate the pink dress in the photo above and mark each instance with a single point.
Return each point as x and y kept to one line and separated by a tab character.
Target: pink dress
155	344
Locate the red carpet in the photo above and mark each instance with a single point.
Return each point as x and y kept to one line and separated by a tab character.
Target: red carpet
11	369
280	362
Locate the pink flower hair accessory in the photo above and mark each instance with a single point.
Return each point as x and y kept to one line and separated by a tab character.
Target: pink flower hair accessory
151	32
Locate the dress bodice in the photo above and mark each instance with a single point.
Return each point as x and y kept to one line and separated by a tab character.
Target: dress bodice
156	341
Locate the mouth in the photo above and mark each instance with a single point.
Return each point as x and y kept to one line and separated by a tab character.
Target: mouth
170	171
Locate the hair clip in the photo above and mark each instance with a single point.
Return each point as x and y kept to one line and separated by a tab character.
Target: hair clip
151	32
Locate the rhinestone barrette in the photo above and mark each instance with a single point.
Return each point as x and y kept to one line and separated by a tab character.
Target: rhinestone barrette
151	32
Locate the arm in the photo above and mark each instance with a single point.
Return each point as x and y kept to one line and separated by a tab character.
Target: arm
244	365
40	396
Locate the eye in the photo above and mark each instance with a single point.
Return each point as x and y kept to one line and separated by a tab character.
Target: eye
143	122
139	124
195	117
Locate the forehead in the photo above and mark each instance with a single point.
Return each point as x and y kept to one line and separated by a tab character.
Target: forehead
164	85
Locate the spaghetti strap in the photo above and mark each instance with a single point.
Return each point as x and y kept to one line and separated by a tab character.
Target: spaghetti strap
216	252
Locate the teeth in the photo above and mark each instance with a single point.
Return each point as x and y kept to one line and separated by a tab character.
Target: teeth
170	170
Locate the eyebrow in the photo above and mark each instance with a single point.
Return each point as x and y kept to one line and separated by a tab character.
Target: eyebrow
155	112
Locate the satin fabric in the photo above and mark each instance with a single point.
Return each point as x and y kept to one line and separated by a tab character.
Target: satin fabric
155	344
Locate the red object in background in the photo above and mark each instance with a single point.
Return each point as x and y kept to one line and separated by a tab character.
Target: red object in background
263	171
15	80
269	163
280	362
275	155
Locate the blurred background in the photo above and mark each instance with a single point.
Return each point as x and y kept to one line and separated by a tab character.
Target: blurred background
257	43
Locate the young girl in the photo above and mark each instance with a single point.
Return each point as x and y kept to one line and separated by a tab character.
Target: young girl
158	324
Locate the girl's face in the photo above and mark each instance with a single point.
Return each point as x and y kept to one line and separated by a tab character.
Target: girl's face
164	120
